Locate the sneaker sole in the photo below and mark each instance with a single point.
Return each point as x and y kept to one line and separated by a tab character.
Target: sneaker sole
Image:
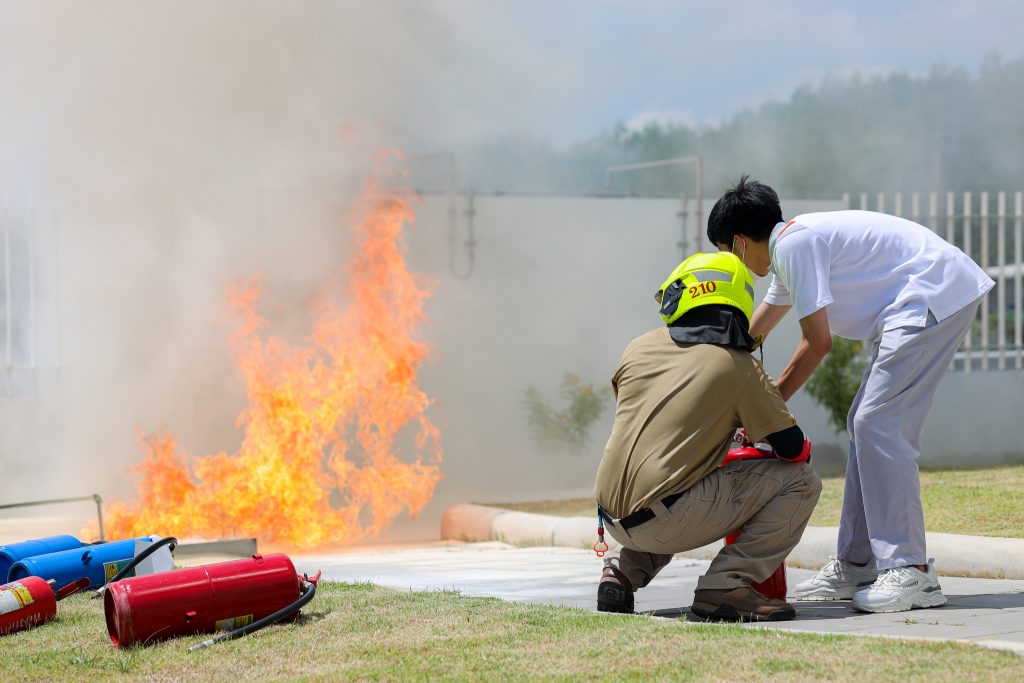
730	613
822	595
830	593
922	601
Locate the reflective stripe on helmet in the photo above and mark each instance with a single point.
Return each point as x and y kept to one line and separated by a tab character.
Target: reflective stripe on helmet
709	275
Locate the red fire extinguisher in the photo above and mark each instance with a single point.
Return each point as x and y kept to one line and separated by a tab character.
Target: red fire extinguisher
31	601
774	587
239	597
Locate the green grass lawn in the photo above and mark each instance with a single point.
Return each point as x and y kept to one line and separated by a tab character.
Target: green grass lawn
982	502
366	632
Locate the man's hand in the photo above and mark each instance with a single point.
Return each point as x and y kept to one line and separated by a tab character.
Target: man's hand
766	317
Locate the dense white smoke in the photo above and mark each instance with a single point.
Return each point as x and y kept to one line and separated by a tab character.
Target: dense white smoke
176	147
161	150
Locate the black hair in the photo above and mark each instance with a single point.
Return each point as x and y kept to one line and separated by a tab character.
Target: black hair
750	208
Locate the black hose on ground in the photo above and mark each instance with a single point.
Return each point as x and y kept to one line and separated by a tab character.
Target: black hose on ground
308	591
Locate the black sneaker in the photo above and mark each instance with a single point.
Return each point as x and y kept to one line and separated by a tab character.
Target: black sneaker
615	593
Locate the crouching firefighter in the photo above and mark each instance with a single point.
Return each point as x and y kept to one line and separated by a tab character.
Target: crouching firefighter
680	393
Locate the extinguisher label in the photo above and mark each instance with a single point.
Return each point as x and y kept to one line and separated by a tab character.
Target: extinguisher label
112	568
232	624
13	597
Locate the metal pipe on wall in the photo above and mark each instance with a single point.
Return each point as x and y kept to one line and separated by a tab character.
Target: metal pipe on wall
5	218
696	159
1001	282
967	250
452	190
1018	220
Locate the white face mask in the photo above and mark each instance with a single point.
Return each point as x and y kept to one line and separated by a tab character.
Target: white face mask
743	256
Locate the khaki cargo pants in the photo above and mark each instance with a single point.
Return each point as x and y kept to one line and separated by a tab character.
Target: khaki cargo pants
770	500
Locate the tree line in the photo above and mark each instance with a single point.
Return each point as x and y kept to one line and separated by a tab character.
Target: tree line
949	129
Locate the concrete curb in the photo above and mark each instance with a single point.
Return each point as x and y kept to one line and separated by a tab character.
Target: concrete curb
957	555
243	547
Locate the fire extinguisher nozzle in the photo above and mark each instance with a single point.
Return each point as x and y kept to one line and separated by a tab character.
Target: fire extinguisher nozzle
72	588
206	643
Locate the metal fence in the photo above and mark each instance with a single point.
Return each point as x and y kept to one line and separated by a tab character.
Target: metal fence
96	498
990	233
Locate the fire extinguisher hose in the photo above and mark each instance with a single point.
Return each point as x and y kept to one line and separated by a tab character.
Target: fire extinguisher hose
308	591
168	541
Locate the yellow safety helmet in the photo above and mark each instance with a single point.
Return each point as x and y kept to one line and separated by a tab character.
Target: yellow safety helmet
702	279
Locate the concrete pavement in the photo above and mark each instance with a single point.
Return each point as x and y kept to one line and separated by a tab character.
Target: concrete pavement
987	612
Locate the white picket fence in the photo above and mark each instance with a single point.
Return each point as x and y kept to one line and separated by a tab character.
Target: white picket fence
991	235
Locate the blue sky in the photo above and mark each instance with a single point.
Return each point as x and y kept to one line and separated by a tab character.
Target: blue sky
566	69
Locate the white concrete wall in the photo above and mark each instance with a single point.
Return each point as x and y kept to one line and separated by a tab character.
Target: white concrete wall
563	284
560	285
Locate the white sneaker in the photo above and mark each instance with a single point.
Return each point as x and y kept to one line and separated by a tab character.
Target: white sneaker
837	580
901	589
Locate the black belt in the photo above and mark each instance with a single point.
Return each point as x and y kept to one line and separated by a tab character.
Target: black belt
642	515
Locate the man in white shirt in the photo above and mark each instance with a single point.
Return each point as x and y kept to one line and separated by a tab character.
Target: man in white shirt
870	276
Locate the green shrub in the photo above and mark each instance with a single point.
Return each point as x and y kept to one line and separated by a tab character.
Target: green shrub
566	429
835	383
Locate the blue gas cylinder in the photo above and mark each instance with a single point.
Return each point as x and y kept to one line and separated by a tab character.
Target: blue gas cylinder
98	563
9	554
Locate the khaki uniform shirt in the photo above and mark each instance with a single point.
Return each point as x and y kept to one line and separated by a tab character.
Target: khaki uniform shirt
676	410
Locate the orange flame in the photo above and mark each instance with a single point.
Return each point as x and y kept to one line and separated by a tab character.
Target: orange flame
319	459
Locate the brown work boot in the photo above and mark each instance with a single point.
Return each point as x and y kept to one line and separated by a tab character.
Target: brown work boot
615	592
739	604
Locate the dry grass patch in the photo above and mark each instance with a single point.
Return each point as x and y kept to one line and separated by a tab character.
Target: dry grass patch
572	507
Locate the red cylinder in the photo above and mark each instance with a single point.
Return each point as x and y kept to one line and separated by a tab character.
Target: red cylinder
221	596
774	587
26	603
747	453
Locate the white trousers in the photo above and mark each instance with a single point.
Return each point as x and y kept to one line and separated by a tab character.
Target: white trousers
882	517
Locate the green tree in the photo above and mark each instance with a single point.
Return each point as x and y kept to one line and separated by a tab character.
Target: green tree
835	383
567	429
853	133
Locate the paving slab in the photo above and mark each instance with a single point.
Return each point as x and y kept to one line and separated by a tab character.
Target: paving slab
987	612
